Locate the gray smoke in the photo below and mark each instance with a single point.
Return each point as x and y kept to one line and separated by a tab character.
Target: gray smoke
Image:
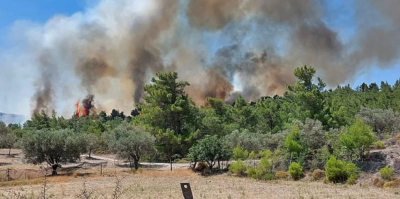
222	47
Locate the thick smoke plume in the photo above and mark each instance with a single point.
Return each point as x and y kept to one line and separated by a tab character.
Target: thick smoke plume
222	47
88	104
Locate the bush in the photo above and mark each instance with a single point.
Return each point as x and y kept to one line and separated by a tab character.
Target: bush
238	168
240	153
318	174
253	173
352	179
337	171
281	175
295	170
269	176
387	173
379	145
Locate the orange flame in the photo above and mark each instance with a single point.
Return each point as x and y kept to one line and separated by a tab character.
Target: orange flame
77	109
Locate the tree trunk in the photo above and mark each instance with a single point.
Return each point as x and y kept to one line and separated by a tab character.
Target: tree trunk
136	163
9	151
90	152
54	167
219	166
194	165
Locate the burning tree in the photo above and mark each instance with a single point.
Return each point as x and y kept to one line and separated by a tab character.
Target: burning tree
87	106
52	147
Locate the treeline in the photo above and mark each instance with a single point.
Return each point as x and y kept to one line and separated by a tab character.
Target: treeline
306	125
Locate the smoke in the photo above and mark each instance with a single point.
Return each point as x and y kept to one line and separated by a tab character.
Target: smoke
88	104
222	47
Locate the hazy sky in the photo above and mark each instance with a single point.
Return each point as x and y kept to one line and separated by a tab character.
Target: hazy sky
339	15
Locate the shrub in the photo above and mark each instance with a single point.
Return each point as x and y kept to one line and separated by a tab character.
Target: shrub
337	171
253	173
295	170
240	153
269	176
351	170
357	139
318	174
281	175
238	168
387	173
379	145
352	179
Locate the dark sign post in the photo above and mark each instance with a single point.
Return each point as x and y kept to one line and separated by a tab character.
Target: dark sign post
187	192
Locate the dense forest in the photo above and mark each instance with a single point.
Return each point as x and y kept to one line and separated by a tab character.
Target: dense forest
306	127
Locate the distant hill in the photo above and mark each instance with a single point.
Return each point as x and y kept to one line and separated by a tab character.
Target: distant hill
12	118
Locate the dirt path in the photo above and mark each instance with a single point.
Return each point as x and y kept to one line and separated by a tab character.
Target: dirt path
150	165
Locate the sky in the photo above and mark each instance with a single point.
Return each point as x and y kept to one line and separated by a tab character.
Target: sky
41	11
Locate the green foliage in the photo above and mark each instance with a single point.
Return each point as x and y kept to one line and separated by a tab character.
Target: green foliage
91	142
238	168
269	176
247	140
308	123
383	122
357	139
266	165
52	146
295	170
338	171
240	153
320	157
170	114
379	144
131	142
254	173
387	173
352	179
292	143
209	149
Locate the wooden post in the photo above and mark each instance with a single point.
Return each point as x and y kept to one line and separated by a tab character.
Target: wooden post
101	168
8	174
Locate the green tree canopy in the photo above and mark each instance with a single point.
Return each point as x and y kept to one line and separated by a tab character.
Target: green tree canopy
131	142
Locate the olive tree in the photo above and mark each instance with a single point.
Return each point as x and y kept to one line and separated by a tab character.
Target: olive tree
91	141
249	141
52	146
209	149
7	141
131	142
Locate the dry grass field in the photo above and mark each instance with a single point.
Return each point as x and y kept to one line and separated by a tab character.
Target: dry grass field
163	184
166	184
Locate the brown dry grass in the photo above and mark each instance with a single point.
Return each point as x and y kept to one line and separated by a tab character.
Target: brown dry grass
166	184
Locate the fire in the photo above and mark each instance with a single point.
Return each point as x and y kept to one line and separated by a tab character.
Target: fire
80	111
77	109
